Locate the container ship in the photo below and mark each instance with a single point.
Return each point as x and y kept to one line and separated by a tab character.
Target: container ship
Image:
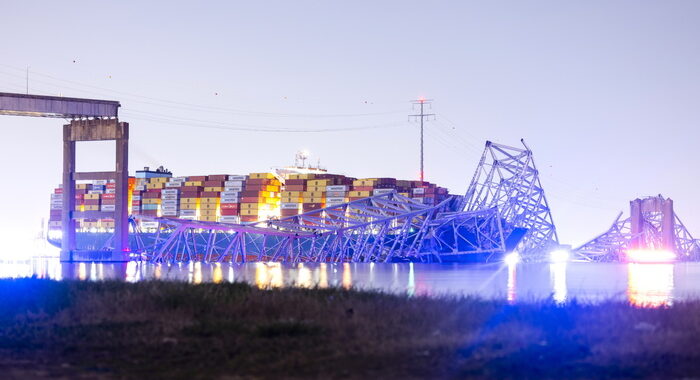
226	198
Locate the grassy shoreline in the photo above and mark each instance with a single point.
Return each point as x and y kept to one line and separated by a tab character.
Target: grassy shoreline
74	329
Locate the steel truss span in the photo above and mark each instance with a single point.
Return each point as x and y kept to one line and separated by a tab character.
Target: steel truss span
504	209
648	233
376	229
507	182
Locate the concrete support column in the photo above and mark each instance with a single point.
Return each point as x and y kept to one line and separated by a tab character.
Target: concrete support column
121	215
67	221
668	235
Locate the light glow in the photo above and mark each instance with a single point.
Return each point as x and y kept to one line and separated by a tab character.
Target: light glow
559	256
649	256
512	258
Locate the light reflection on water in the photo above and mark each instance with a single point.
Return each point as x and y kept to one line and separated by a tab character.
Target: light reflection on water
646	285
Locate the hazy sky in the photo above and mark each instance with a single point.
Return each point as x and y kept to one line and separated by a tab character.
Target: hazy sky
604	92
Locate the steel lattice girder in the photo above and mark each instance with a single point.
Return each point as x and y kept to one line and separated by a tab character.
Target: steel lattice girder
507	180
378	228
612	244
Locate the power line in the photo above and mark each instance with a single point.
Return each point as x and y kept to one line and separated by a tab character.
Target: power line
179	105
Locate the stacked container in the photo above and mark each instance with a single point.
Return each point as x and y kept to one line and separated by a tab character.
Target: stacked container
231	199
260	198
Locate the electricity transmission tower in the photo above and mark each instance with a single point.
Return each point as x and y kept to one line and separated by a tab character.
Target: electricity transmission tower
423	117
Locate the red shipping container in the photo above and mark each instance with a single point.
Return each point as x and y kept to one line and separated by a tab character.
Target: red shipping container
252	200
229	206
250	193
190	194
148	195
295	182
109	201
136	203
191	188
229	212
218	177
111	185
109	196
58	190
92	202
79	197
197	178
213	183
362	188
210	194
259	181
295	188
248	218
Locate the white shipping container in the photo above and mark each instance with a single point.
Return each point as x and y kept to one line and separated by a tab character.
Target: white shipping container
290	206
187	217
188	213
54	223
170	191
57	207
233	188
140	188
230	193
336	194
173	184
336	200
178	179
99	182
149	224
110	191
234	183
169	197
136	198
382	191
168	207
418	190
230	200
230	219
169	202
56	196
169	213
237	177
108	208
95	192
337	188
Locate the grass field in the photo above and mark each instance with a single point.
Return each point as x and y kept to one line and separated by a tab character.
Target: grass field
107	330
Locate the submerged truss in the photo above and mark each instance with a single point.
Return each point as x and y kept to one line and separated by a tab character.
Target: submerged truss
613	243
376	229
507	181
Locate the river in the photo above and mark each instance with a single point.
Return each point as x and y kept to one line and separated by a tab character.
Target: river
640	284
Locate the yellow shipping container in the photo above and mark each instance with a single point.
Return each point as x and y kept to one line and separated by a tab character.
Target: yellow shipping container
203	212
313	194
355	194
209	200
92	208
250	206
272	201
316	188
295	176
318	182
249	212
92	196
292	193
214	188
151	201
208	206
155	186
364	182
81	186
188	206
193	183
314	200
261	176
290	199
208	218
189	200
404	194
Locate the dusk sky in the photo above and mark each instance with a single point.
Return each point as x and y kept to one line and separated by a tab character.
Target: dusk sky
605	93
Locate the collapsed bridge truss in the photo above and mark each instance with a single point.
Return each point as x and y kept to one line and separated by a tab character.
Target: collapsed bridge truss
504	209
